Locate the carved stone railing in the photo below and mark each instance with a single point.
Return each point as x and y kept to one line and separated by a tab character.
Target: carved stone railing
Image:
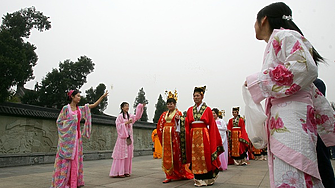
28	135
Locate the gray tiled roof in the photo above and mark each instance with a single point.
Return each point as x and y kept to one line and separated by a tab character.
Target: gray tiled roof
18	109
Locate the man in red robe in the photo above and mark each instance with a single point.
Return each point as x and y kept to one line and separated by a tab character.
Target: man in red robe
203	141
238	138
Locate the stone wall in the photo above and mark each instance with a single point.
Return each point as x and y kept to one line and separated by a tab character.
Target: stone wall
30	140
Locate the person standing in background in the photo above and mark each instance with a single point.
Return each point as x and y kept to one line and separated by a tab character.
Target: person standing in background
157	149
222	126
323	152
124	146
168	130
238	138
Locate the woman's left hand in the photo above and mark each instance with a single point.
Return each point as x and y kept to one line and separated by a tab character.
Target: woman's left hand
98	101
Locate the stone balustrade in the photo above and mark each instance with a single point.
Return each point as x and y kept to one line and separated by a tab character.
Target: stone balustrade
28	135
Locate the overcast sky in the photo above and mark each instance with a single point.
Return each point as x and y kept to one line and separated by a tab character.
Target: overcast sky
171	44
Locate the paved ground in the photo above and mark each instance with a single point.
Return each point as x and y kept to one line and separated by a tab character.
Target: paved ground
147	173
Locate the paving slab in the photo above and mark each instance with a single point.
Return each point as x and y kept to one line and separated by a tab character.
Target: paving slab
147	173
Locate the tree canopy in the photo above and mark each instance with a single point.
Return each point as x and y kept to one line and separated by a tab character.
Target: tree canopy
141	99
160	108
93	95
51	92
17	56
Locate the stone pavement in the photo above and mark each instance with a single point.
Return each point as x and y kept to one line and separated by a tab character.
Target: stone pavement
147	173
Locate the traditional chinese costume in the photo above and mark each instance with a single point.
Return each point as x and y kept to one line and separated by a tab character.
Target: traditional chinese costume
168	133
238	140
203	144
123	152
68	168
296	110
157	153
222	126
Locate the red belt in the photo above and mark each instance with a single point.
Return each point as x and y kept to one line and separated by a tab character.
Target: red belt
199	125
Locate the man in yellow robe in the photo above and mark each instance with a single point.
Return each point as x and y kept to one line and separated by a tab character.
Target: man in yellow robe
157	145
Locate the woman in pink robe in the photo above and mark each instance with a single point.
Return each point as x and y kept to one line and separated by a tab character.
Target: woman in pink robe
68	168
296	110
123	149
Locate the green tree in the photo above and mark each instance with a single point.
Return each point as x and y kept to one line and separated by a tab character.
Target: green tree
30	97
141	99
93	95
160	108
18	56
51	92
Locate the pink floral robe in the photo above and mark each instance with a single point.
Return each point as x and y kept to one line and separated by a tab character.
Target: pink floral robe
122	153
68	168
296	110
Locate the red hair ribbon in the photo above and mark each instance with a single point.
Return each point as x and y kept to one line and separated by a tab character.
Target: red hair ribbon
70	93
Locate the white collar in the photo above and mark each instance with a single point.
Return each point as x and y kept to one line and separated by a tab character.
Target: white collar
198	107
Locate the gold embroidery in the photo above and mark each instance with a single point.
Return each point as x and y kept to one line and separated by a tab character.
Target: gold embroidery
198	158
167	161
197	115
169	117
235	143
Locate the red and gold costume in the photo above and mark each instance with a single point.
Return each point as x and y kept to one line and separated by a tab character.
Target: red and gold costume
238	140
170	139
259	154
203	143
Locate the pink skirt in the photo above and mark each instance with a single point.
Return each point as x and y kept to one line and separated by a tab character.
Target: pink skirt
121	167
224	157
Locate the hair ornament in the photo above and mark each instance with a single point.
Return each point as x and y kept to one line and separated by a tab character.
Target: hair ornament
170	95
236	108
70	93
201	90
287	17
222	112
